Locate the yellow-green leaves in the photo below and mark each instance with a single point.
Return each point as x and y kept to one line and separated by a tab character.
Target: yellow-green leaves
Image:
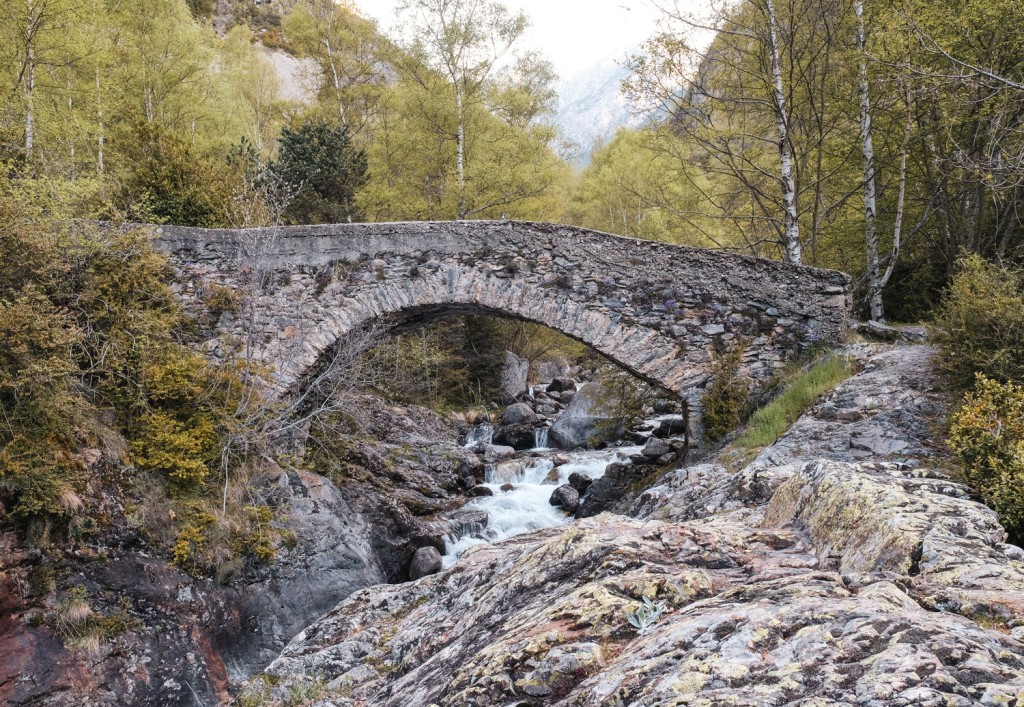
987	435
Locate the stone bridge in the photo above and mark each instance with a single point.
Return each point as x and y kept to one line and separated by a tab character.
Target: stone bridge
660	311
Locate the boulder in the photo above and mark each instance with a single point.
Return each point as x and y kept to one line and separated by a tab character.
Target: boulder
566	497
427	560
480	490
514	374
670	428
580	481
505	488
584	423
610	490
552	478
664	406
496	452
559	385
518	437
566	396
656	447
518	414
561	458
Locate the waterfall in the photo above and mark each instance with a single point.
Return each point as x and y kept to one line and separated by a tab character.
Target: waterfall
484	432
540	437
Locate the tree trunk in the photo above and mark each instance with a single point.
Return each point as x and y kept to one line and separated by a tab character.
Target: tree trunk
874	295
101	139
30	82
460	150
790	224
336	80
897	228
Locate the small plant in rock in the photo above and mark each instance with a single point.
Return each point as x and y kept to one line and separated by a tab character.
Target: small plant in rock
647	615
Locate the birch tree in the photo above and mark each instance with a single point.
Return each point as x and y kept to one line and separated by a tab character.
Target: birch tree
463	42
733	104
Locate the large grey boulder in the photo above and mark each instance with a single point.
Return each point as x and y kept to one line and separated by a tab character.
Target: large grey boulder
518	414
514	375
584	423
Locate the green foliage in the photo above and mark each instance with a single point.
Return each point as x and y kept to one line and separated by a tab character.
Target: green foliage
181	450
987	436
322	169
726	396
980	324
166	181
767	424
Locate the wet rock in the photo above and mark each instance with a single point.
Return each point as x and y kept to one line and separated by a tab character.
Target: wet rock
508	487
519	437
467	520
566	396
552	478
566	497
495	453
427	560
580	481
480	491
518	414
547	410
610	490
656	447
560	459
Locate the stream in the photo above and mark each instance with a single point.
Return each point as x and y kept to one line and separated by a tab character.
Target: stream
526	507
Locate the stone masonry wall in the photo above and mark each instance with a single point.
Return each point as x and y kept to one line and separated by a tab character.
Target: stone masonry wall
659	310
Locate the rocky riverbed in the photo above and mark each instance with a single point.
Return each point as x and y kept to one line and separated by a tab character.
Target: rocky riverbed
842	565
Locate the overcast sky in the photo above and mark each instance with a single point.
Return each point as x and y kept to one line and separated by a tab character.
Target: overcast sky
573	34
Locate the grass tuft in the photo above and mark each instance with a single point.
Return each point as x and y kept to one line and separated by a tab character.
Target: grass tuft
770	422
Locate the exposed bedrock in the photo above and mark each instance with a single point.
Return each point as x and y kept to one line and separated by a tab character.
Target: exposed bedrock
814	575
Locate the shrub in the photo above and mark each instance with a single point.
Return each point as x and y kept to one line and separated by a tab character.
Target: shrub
981	324
987	436
182	450
725	396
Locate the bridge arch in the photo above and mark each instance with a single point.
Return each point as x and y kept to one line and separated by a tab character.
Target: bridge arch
658	310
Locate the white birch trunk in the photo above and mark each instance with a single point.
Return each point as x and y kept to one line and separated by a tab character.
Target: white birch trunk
336	80
460	150
790	224
874	294
30	82
101	139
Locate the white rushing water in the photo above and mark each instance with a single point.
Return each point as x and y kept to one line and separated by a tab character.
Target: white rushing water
484	432
526	507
